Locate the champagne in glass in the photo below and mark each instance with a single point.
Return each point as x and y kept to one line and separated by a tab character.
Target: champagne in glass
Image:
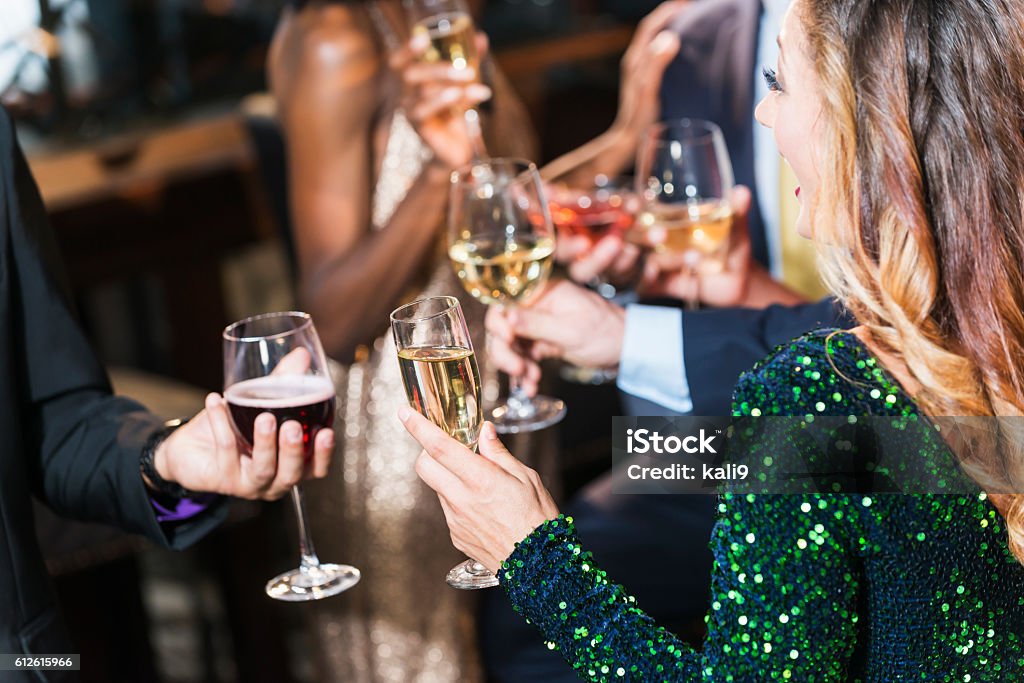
452	38
502	271
501	243
701	228
274	363
684	178
435	356
443	384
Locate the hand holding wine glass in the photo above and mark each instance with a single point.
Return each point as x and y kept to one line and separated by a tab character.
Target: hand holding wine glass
491	501
668	273
592	217
684	177
563	321
275	372
739	281
204	455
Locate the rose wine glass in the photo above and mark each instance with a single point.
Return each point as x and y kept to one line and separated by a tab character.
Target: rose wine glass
502	245
438	366
592	206
274	363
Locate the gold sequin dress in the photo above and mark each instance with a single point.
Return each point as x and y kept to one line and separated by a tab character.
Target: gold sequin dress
402	622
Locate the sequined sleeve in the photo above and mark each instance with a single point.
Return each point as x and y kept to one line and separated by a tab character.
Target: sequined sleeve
592	621
783	603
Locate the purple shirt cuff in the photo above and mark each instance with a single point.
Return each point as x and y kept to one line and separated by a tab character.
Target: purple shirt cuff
186	508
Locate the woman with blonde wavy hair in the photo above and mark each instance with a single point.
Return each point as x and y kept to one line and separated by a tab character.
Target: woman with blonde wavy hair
904	122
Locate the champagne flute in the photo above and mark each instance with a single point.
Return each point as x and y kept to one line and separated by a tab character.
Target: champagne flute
449	26
502	245
438	366
684	178
274	363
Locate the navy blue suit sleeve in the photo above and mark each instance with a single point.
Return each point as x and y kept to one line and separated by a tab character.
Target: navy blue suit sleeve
719	345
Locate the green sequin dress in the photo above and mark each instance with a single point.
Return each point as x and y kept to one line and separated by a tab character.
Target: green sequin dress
808	587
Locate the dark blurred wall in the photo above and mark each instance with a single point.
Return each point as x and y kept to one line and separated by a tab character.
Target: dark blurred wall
629	10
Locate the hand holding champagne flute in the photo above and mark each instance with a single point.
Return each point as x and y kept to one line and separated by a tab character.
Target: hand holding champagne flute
502	244
274	363
446	29
684	178
442	382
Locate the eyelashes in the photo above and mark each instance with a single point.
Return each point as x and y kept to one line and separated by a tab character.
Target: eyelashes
771	79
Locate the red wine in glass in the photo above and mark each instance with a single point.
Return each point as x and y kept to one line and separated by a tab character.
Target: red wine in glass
274	363
306	399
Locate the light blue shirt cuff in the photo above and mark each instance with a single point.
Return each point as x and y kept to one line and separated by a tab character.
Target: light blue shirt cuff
651	365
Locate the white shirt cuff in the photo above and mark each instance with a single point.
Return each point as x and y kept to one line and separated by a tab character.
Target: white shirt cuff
651	365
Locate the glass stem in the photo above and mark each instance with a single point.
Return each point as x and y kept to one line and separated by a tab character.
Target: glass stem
306	550
693	304
477	569
518	400
476	134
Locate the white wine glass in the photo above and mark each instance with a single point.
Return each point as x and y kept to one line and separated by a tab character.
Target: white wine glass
684	179
502	244
274	363
449	26
442	382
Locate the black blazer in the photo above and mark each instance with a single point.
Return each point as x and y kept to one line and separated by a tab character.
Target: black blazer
712	78
720	345
63	437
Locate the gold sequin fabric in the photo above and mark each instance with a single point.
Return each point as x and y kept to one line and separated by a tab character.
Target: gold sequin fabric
402	623
805	587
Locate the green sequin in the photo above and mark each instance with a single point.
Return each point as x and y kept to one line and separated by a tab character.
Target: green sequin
845	587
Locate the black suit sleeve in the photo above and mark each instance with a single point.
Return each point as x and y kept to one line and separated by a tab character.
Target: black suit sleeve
719	345
82	443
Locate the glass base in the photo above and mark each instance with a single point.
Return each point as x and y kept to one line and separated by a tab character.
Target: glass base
540	412
312	583
470	576
588	376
